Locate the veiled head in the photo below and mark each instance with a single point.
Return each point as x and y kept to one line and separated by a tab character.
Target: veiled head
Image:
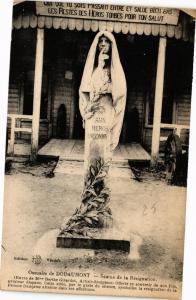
104	44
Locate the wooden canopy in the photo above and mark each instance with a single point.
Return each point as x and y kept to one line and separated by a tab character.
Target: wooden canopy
32	21
25	17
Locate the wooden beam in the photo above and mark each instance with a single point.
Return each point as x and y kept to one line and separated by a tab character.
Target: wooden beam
18	2
158	99
37	93
190	12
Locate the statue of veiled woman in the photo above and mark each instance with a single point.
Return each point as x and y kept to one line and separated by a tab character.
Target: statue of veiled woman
102	104
102	98
103	82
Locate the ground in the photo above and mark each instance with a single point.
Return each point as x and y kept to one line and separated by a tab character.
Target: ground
149	212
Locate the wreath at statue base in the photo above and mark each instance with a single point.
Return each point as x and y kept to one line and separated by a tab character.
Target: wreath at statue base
91	225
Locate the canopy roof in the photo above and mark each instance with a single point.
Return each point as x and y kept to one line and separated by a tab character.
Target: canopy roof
25	17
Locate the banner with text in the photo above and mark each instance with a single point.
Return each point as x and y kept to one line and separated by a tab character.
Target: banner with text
122	13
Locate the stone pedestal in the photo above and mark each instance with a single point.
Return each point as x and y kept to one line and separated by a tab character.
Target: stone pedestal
94	212
86	228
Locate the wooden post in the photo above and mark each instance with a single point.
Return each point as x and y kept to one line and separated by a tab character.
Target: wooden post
37	93
158	99
12	136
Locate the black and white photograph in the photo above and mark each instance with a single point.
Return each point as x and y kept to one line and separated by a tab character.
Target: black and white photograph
97	149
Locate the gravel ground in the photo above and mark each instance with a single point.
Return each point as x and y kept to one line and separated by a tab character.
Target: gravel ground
148	212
